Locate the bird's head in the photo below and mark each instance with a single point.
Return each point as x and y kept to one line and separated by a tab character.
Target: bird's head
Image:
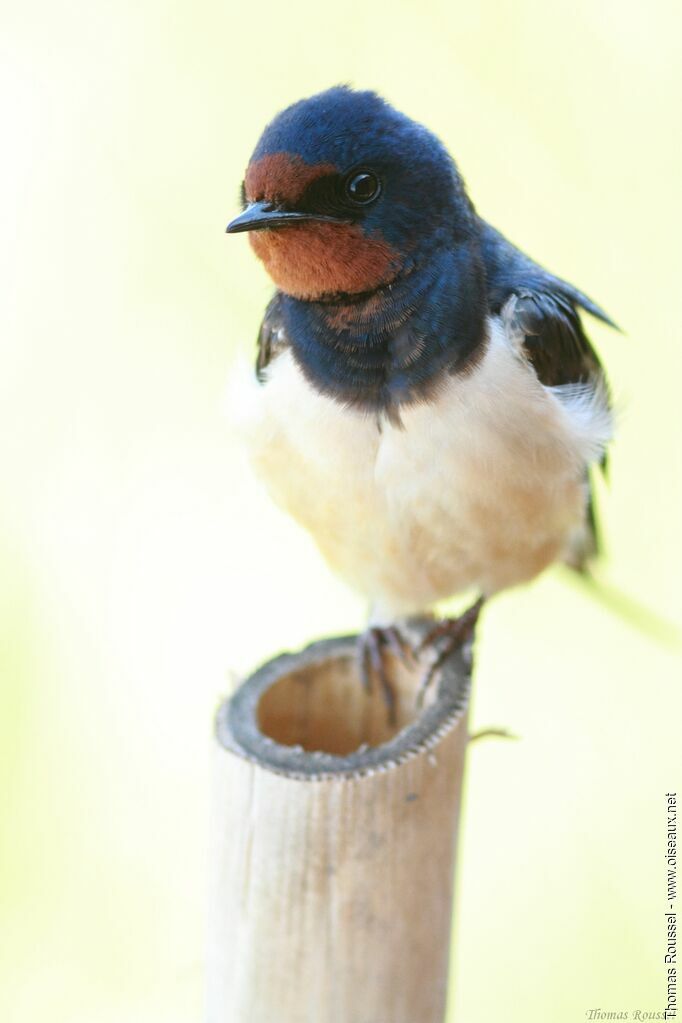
344	194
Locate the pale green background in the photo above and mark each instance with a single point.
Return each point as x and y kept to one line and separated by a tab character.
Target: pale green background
139	565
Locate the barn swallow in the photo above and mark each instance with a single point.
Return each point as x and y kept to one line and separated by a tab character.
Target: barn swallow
429	404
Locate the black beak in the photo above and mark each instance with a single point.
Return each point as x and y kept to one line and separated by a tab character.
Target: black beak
259	215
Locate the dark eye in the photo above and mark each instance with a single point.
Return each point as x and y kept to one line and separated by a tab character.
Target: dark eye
362	187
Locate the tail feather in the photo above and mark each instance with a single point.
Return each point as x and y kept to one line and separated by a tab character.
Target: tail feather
632	611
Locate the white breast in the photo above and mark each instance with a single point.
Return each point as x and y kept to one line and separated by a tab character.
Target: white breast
483	487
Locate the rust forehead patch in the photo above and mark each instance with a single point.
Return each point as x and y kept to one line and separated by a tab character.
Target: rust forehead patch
282	177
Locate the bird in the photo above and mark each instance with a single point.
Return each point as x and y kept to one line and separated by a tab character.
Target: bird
426	401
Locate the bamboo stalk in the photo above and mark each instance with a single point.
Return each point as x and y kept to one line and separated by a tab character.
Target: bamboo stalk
334	837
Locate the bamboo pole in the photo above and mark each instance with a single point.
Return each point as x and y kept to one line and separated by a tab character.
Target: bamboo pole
334	839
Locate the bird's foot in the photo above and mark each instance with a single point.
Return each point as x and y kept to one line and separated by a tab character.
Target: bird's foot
445	637
373	645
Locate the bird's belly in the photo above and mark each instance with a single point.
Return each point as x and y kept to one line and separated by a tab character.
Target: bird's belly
482	487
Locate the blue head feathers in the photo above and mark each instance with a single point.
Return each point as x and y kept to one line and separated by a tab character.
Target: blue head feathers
362	220
351	157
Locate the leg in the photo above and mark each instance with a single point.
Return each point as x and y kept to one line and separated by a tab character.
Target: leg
372	646
455	632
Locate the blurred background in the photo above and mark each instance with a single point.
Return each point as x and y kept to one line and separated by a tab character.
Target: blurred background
141	568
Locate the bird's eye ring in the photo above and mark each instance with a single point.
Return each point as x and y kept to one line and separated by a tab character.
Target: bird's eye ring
362	187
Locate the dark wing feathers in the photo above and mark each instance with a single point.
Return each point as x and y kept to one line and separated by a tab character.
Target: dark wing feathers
508	269
272	338
555	341
546	312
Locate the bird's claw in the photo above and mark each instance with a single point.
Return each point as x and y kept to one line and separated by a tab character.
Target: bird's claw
372	647
455	632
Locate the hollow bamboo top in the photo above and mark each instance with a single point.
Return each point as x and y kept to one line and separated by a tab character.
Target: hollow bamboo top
306	715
